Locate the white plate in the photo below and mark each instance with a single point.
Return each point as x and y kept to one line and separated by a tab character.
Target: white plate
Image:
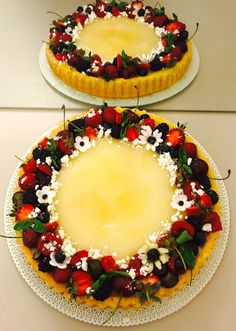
129	102
122	317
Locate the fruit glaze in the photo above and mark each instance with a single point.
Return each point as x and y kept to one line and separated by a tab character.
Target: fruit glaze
167	258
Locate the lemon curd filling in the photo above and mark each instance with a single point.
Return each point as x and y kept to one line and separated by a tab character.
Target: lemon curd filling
108	37
112	197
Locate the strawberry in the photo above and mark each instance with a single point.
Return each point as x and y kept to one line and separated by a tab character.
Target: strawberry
132	133
49	242
149	121
214	219
27	181
194	211
110	71
109	115
151	279
176	25
96	67
65	142
30	238
115	11
30	166
137	5
24	212
166	59
190	149
100	9
160	21
80	17
59	23
119	62
55	37
205	201
43	143
109	263
128	72
91	133
176	53
175	137
61	275
51	226
78	256
95	120
66	37
61	56
188	191
136	264
45	168
83	281
178	226
118	118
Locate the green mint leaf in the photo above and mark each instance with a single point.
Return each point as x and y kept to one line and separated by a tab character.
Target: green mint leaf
38	226
124	124
170	41
74	288
23	225
122	5
142	298
159	11
36	254
187	255
98	283
112	4
125	59
187	169
104	106
51	146
156	299
183	237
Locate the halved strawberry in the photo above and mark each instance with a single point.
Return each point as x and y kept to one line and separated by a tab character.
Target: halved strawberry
27	181
65	142
176	25
175	137
65	37
132	133
109	263
151	279
118	118
51	226
95	120
109	115
205	201
80	17
78	256
179	226
45	168
24	212
149	121
83	281
214	219
30	166
164	42
90	132
188	191
61	275
61	56
190	149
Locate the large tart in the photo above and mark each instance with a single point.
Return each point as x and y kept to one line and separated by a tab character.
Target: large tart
119	50
117	206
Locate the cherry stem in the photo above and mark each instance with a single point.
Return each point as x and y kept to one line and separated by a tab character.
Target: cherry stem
196	30
114	311
18	158
9	237
52	12
46	42
137	95
180	255
64	115
224	178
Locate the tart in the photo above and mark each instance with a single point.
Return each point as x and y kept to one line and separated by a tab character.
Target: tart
119	50
117	207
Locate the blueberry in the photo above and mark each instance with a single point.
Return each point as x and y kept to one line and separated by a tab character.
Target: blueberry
213	195
153	254
143	72
196	222
162	148
163	128
179	266
95	268
104	291
115	131
141	12
44	264
60	256
160	272
40	153
200	237
44	216
169	280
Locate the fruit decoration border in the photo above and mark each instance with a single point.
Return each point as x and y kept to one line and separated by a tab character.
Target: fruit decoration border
122	317
171	48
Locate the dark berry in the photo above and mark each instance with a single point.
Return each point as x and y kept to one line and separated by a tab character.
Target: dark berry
40	153
196	222
160	272
30	238
174	152
76	125
80	9
95	268
143	72
60	257
44	264
163	128
193	246
204	181
61	28
199	167
133	118
88	10
151	140
156	64
141	12
200	237
162	148
104	291
163	54
179	266
17	199
73	61
124	285
83	65
59	48
169	280
153	254
43	179
213	195
43	216
143	116
183	47
115	131
30	197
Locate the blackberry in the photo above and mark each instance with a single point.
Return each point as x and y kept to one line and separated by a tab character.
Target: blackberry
60	257
80	9
44	216
195	221
141	12
104	291
200	237
78	123
204	181
156	64
143	116
163	128
44	264
153	254
183	35
213	195
169	280
160	272
174	152
162	148
40	153
83	65
115	131
61	28
30	197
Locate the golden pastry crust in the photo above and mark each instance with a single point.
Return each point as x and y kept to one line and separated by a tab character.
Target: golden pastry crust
120	87
133	302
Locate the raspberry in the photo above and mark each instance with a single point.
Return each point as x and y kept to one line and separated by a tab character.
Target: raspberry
109	263
109	115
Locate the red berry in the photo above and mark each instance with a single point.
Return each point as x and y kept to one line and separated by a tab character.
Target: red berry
176	53
159	20
49	242
115	11
188	191
61	57
30	238
124	285
43	143
91	132
96	67
132	133
80	17
148	19
95	120
78	256
30	166
119	62
152	279
109	263
214	219
171	264
171	27
61	275
65	142
66	37
194	211
109	115
205	201
175	137
118	118
51	226
24	211
164	41
190	149
128	72
199	167
110	71
166	59
83	280
179	226
27	181
136	264
45	168
150	122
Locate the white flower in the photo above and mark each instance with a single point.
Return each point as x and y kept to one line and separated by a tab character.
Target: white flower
150	138
60	265
45	195
180	201
82	143
149	265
